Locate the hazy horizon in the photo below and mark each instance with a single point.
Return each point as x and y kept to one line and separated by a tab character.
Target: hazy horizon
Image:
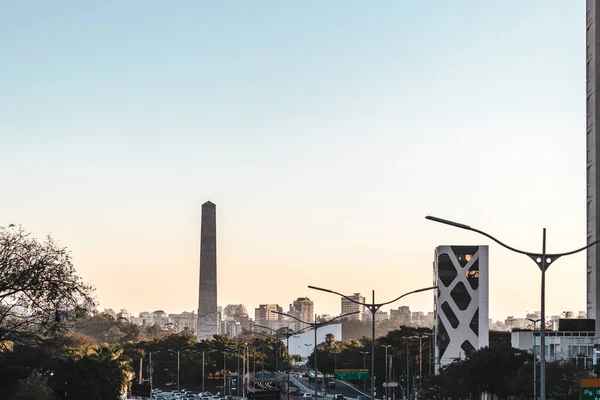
323	132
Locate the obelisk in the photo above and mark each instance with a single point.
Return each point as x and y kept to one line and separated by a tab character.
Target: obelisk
207	299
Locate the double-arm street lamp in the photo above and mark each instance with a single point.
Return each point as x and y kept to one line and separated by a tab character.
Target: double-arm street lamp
315	325
543	261
373	308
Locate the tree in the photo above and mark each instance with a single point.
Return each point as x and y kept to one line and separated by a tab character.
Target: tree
329	340
34	387
499	338
40	293
492	369
101	375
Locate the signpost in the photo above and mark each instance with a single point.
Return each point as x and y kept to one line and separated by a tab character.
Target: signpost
351	374
589	389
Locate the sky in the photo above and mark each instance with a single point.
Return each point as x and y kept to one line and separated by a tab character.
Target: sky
323	131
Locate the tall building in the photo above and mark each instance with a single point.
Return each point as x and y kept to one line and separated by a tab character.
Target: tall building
348	306
461	302
207	298
401	315
235	310
263	313
184	322
593	157
303	308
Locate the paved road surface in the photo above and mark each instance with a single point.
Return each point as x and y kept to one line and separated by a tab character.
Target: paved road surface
342	388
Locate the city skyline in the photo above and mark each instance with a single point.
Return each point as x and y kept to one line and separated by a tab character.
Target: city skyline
324	147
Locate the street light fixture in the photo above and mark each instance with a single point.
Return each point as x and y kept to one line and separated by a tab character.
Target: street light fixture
543	261
315	325
373	308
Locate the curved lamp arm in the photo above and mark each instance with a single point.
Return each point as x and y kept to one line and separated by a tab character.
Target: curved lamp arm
468	228
369	304
317	324
527	253
406	294
296	318
338	317
338	293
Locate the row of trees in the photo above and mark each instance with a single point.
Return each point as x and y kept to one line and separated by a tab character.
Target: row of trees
505	372
52	347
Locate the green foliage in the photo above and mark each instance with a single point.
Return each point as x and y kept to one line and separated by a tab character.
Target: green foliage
39	277
101	375
34	387
504	372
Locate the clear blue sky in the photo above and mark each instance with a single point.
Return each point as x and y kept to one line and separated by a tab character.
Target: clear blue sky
323	130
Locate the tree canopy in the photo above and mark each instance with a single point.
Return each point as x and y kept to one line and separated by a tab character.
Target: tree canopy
40	292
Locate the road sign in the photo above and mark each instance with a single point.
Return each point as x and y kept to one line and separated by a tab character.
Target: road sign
351	374
590	394
390	384
589	389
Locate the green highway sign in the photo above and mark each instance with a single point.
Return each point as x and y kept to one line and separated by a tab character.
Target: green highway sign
589	389
590	394
351	374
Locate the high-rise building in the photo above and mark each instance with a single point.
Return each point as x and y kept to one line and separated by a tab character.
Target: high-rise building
263	313
303	308
592	124
235	310
184	322
348	306
461	302
160	318
207	299
401	315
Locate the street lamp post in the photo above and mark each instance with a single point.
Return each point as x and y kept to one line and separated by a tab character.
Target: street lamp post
335	353
407	369
535	321
364	353
224	372
151	369
203	363
176	352
386	372
308	346
288	333
420	337
543	261
373	308
315	326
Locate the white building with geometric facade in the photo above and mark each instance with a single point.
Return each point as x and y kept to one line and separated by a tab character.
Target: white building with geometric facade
460	302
